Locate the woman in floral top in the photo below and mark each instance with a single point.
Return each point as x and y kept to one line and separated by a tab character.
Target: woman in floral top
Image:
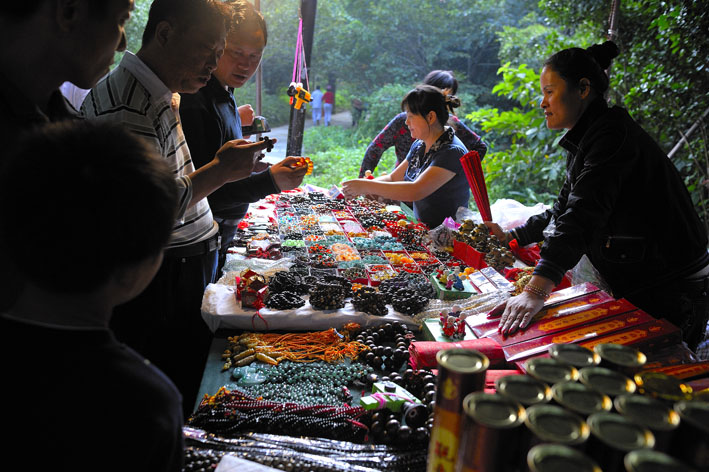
431	176
396	133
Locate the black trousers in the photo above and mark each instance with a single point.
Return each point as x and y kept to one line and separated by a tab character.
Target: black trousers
164	323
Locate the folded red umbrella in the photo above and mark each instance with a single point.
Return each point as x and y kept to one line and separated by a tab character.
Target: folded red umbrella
472	167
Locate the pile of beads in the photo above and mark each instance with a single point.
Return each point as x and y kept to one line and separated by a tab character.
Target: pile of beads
313	237
316	383
408	301
420	256
417	283
380	355
411	268
284	301
287	281
368	300
322	272
352	263
398	258
328	296
375	258
229	412
380	272
308	220
293	243
344	252
354	273
318	249
323	261
336	238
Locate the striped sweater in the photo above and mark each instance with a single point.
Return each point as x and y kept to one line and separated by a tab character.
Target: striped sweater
134	96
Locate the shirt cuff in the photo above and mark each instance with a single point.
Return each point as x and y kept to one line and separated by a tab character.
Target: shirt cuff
550	270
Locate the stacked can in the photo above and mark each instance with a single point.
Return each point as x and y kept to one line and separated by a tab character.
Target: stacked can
460	372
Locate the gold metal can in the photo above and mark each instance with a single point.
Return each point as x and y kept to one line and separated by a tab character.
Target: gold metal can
492	422
574	354
580	399
662	386
651	413
612	437
691	441
559	458
647	460
554	424
607	381
524	389
624	359
460	372
550	370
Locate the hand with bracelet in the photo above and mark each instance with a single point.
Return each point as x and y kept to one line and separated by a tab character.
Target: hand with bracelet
521	309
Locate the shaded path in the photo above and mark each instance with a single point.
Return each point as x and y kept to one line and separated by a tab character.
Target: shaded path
343	119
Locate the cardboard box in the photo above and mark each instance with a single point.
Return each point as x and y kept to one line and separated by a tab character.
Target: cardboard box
540	345
563	319
685	371
570	307
648	337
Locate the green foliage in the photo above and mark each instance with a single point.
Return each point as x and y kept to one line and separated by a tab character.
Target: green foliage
337	154
382	105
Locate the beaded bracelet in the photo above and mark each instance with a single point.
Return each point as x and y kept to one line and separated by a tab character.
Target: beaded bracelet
538	291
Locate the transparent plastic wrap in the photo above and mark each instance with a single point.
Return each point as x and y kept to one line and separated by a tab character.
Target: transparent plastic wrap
505	212
234	265
584	271
476	304
308	453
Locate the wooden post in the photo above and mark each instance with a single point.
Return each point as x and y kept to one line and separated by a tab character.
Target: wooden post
297	117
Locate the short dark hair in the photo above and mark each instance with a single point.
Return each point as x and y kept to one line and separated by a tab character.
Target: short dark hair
574	64
443	79
424	99
245	15
82	199
185	13
24	9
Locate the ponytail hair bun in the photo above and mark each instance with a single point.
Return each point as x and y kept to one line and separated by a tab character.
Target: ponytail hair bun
574	64
604	53
452	102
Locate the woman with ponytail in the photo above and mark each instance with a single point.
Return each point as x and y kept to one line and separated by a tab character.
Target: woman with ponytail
397	134
623	204
431	176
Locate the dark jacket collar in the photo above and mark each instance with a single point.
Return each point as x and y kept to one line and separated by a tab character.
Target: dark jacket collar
216	89
572	138
23	110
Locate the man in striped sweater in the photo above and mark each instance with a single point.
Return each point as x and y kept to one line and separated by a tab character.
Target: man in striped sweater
182	42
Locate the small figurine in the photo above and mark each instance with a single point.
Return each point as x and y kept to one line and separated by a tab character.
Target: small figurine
297	92
368	175
450	280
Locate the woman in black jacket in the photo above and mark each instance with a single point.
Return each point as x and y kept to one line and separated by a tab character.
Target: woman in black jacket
623	204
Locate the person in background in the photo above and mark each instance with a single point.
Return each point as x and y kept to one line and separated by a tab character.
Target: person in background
99	404
396	134
182	42
623	204
316	103
44	44
431	176
328	103
210	118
